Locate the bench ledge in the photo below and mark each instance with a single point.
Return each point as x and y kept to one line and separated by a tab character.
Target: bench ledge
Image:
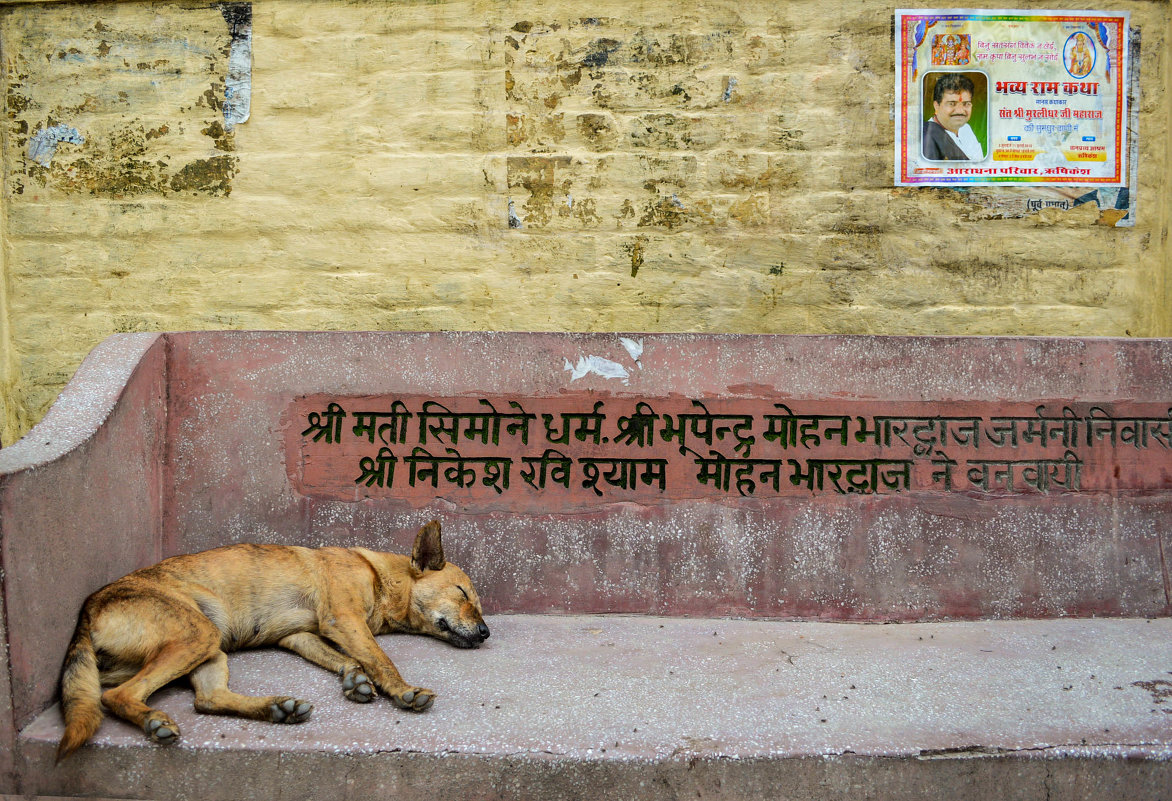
624	691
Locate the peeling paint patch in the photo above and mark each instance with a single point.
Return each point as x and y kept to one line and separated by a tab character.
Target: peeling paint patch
598	366
42	145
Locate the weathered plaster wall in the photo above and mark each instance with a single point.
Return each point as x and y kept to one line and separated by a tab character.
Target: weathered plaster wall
709	166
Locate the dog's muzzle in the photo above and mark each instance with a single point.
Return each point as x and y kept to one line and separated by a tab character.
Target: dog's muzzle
464	638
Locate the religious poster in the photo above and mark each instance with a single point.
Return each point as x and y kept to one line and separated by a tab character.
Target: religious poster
996	97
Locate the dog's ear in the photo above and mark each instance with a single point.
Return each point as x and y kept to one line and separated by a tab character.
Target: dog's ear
428	553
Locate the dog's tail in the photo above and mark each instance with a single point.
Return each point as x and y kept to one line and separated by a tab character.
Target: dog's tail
81	690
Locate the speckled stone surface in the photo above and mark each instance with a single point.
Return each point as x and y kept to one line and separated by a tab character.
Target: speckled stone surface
620	692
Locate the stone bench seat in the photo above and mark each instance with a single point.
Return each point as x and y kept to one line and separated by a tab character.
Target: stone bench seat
647	707
714	566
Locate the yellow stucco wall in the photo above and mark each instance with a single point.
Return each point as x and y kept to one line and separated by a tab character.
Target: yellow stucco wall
700	166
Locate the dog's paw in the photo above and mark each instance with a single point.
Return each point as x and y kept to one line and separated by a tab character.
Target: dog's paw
290	710
415	699
357	686
160	728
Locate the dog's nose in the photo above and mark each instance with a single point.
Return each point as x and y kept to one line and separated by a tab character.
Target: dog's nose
482	630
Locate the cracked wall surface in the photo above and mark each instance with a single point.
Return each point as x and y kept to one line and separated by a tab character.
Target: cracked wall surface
318	164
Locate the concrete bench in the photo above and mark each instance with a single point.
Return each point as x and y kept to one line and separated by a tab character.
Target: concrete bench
683	543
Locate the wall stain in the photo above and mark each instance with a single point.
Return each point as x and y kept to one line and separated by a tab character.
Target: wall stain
114	165
626	211
753	210
604	86
213	97
755	173
585	210
598	131
515	131
976	279
16	102
635	251
123	163
538	175
1160	689
666	211
127	144
222	139
676	49
210	176
599	51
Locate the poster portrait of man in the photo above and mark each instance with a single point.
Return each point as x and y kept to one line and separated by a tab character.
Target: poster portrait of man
955	124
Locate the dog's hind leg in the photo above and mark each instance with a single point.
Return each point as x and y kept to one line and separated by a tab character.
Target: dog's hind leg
213	697
128	700
356	685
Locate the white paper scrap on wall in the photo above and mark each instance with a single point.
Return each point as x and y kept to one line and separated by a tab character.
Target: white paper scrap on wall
238	82
597	365
635	348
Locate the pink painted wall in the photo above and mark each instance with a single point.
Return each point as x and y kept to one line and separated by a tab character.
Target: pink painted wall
80	505
919	554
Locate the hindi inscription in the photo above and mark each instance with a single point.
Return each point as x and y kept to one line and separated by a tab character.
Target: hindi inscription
596	449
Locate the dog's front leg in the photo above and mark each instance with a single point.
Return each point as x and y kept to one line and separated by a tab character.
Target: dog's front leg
351	634
356	685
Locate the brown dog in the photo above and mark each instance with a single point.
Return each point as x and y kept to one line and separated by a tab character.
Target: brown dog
181	616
